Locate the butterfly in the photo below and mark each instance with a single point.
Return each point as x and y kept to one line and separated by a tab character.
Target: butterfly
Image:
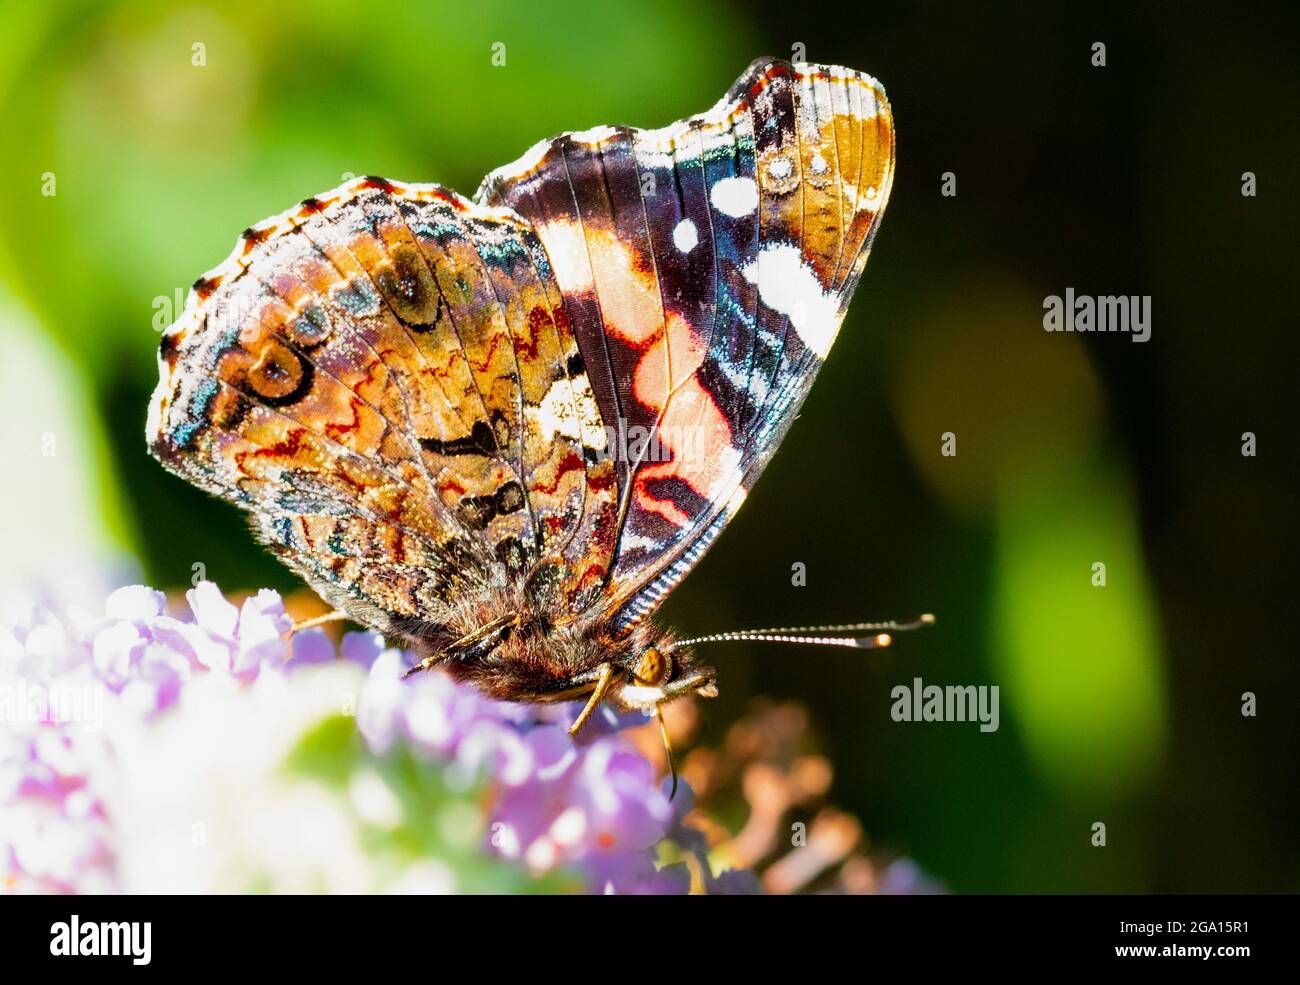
502	429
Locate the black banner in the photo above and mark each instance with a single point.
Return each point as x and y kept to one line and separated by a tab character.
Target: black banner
330	934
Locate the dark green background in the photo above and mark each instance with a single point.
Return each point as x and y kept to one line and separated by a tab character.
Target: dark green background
1119	704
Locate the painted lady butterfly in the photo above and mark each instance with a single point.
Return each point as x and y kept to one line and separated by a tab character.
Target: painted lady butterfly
504	429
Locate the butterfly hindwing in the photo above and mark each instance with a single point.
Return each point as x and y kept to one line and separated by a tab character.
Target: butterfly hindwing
384	376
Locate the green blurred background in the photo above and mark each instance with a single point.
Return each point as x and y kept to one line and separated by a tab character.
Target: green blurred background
1119	704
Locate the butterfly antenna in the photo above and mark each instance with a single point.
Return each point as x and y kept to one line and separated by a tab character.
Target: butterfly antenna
668	749
879	634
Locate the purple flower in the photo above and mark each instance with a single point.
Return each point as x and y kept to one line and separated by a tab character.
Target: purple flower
591	804
596	805
59	678
903	877
75	688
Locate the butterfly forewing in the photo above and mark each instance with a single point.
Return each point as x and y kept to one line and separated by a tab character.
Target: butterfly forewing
707	267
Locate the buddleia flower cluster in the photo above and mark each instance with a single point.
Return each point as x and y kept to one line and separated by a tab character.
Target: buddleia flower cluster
148	750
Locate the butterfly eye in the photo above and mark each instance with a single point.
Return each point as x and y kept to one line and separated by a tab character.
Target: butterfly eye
653	668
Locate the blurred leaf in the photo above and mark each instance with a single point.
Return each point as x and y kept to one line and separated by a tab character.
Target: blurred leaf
1082	663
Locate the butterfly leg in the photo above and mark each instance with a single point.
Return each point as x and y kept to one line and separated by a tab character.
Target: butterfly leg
427	663
668	748
335	616
603	683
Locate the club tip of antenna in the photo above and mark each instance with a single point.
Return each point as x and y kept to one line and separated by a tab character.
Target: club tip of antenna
928	618
884	639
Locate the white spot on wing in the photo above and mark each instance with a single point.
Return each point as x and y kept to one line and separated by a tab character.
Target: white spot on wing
685	236
780	168
736	197
556	414
788	285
